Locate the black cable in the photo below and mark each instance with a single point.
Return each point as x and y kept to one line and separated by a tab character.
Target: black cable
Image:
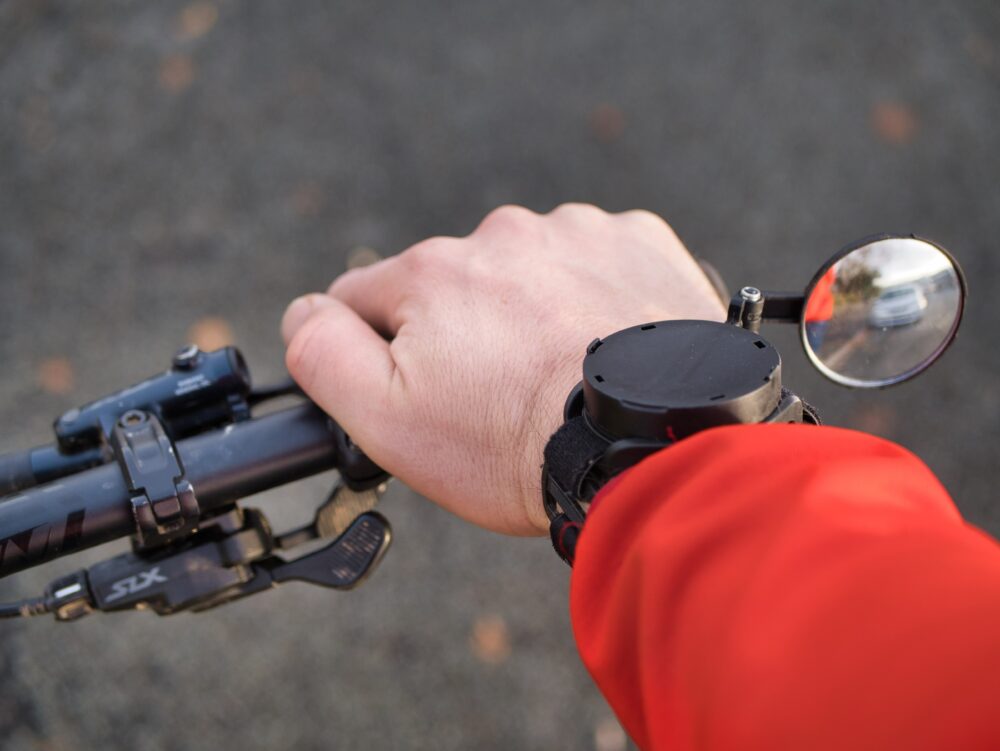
24	608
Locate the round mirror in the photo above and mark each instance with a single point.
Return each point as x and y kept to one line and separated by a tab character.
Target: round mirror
881	312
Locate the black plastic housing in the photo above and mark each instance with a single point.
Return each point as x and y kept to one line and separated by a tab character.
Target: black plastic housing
670	379
201	391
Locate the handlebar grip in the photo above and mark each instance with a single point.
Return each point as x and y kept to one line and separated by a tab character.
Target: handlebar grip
15	472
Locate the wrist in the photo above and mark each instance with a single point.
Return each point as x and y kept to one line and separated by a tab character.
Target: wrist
543	419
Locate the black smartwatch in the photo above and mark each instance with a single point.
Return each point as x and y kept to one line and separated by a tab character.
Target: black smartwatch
645	388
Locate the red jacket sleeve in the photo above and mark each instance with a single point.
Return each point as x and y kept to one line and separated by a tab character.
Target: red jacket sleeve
789	587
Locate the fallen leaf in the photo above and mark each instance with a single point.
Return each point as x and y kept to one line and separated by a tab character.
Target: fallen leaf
176	73
894	123
607	123
211	334
609	736
490	640
56	376
196	20
877	419
362	256
307	200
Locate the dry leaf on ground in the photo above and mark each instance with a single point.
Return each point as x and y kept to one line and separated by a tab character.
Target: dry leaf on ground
307	200
607	123
894	123
211	333
877	419
196	20
362	256
56	375
176	73
609	736
490	639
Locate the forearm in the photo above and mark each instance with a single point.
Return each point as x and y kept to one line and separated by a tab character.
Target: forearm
789	586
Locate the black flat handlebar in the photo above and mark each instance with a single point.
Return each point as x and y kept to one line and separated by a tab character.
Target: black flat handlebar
93	506
16	472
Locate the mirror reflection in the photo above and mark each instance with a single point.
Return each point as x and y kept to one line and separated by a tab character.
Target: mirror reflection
882	312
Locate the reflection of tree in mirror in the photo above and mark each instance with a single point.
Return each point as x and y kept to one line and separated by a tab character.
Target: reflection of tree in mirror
857	280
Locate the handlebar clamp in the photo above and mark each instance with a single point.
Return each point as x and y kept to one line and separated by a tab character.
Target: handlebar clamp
163	501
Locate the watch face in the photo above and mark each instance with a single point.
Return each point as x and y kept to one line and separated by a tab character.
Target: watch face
669	379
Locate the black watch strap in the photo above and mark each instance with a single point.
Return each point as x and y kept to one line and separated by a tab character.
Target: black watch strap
570	479
570	457
647	387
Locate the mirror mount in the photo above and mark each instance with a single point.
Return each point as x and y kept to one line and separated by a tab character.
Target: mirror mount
879	312
746	308
749	307
783	307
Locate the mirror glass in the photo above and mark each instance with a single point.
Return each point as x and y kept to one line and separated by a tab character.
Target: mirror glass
883	312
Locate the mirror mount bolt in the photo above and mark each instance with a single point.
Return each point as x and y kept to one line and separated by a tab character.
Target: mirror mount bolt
746	309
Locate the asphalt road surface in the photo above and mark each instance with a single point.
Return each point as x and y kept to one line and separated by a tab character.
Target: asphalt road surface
174	171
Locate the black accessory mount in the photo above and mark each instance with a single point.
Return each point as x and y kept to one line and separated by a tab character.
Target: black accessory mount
647	387
877	313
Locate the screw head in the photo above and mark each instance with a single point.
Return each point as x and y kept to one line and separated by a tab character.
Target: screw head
187	357
70	416
132	418
750	294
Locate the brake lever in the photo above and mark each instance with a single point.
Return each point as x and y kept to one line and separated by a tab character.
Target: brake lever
233	557
335	515
343	564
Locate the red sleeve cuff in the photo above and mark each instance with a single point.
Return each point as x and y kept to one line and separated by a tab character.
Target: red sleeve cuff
789	586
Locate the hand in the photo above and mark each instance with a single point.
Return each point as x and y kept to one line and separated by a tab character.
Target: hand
449	364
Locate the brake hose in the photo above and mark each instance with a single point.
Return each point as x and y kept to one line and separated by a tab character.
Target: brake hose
24	608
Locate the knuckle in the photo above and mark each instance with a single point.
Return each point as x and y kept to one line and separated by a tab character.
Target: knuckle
578	210
301	357
427	256
342	281
507	217
647	218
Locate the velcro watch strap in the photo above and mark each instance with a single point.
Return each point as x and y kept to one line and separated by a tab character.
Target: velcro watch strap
570	456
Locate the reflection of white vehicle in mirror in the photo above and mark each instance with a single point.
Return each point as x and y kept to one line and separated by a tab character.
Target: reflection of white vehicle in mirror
898	306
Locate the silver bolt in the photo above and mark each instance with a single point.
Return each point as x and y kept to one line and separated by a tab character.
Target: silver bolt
750	294
131	418
187	357
72	416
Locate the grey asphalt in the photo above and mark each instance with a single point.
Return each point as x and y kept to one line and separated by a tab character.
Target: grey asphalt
160	166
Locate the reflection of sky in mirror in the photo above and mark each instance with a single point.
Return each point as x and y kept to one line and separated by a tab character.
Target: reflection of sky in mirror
901	260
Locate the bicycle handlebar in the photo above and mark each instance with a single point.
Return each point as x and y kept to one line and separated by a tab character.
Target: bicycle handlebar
16	472
94	506
26	469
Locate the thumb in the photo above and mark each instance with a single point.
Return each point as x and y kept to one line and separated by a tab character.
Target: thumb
340	362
